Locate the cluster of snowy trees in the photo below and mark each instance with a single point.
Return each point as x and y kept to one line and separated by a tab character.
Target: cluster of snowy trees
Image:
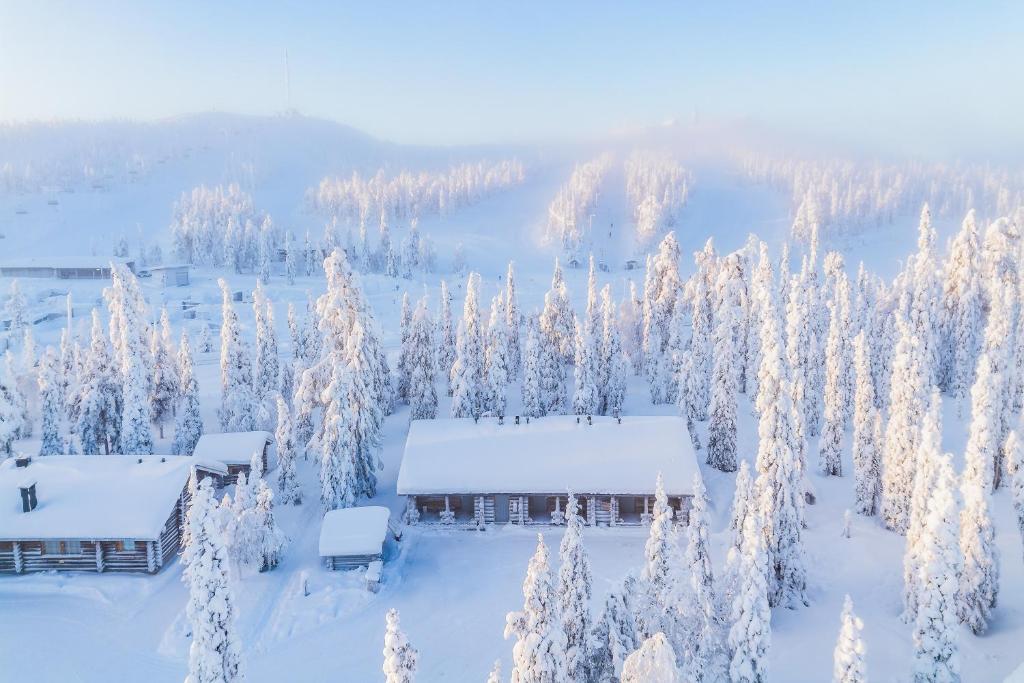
845	197
657	188
411	195
569	215
218	226
108	393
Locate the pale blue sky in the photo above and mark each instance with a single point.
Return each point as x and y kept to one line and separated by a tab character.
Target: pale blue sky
922	73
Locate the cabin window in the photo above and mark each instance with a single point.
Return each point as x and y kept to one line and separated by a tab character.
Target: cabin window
6	546
71	547
128	545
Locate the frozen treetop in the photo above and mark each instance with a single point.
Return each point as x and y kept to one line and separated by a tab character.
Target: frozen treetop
549	455
103	497
232	448
354	531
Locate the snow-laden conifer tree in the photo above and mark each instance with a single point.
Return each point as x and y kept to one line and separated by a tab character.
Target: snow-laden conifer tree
188	424
928	451
270	539
725	380
50	407
284	437
423	365
538	655
551	376
586	397
129	337
557	326
701	340
497	371
339	448
264	254
238	401
993	385
653	662
512	321
17	309
574	591
404	350
631	325
936	627
205	339
164	383
533	403
613	365
816	319
867	446
467	376
1015	458
848	664
962	311
399	656
743	495
99	403
364	402
267	367
291	257
750	634
658	578
926	298
762	284
495	675
445	337
10	410
614	636
215	653
907	403
704	654
838	391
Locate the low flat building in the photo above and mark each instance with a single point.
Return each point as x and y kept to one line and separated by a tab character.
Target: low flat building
517	471
120	513
63	268
169	276
234	450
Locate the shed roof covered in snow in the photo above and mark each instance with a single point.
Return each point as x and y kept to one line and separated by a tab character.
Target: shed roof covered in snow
354	532
97	497
549	455
232	448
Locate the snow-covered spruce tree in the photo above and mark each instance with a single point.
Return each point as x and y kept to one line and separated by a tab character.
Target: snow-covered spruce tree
467	376
979	582
215	653
632	328
164	388
658	578
17	309
238	401
653	662
907	403
284	436
551	375
928	450
963	312
99	403
267	367
848	664
538	655
445	336
701	340
205	339
797	339
762	284
533	404
705	654
586	397
404	350
993	385
368	417
497	371
270	538
574	592
399	656
741	504
613	366
722	429
926	297
557	327
1015	457
188	424
750	634
129	337
339	448
867	448
50	407
838	393
614	636
423	365
10	410
291	257
512	321
816	320
936	627
265	247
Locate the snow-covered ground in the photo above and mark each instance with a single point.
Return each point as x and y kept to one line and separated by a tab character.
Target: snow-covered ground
453	588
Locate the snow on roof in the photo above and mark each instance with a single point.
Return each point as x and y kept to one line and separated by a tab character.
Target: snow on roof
64	262
549	455
232	448
94	496
354	531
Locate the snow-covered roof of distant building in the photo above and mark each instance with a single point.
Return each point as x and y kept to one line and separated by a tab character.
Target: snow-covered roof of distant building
549	455
232	448
168	266
354	531
94	496
64	262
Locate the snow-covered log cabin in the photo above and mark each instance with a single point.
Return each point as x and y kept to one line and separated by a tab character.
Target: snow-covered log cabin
354	537
234	450
120	513
518	471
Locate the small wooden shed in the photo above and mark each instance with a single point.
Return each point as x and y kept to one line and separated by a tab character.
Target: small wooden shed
353	537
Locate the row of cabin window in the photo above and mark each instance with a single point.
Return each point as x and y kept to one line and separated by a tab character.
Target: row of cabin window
65	547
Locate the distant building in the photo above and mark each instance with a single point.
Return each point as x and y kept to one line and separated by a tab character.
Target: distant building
170	276
119	513
62	268
234	450
476	473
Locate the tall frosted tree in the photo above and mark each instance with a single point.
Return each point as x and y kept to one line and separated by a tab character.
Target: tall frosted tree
848	665
557	326
188	425
215	653
538	655
750	634
267	365
838	391
574	592
467	376
339	447
928	452
423	365
701	340
445	336
936	628
653	662
404	350
963	311
614	634
743	495
287	451
613	365
497	370
99	405
512	321
128	333
50	407
725	380
867	443
238	400
164	383
994	379
1015	456
11	419
586	396
400	657
533	403
17	309
704	628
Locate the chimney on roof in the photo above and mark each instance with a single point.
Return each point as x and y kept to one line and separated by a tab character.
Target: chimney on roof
501	419
28	496
577	419
517	419
140	461
590	420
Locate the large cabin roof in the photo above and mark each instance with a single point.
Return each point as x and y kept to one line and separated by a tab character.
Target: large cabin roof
94	496
549	455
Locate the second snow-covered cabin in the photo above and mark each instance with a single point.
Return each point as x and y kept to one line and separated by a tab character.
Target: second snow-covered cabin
518	471
354	537
235	450
120	513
